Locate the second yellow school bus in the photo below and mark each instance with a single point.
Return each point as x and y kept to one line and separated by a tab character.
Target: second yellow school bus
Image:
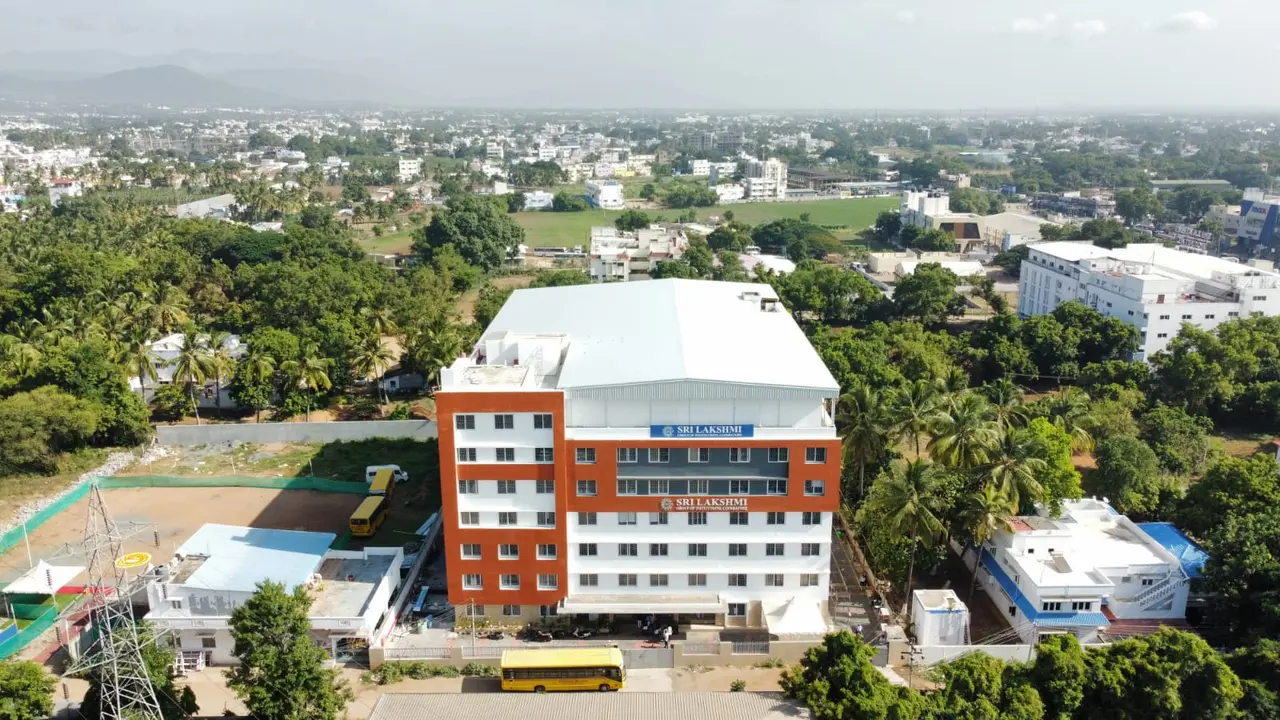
563	669
366	519
383	484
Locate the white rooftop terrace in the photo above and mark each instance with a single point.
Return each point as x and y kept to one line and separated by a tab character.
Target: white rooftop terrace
1089	538
1152	258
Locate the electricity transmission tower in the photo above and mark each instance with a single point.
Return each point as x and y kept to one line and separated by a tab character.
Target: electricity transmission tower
116	655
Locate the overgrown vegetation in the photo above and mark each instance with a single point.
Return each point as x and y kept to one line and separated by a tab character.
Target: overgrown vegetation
390	673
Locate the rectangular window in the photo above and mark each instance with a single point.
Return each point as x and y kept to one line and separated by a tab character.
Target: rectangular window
1162	335
510	611
811	518
1051	606
208	643
509	581
464	422
1210	316
508	551
1164	317
779	455
1084	605
815	455
737	609
657	549
737	549
698	517
776	518
1186	317
774	550
469	518
697	549
471	551
543	421
587	550
548	581
586	518
471	582
1233	314
627	580
628	550
546	551
776	487
628	487
810	549
809	580
697	580
659	455
699	487
737	580
773	580
815	487
467	487
544	455
739	455
659	487
737	518
586	488
504	422
658	518
627	455
699	455
585	456
505	454
506	518
589	580
506	487
547	519
545	487
547	611
466	454
1259	298
657	581
739	487
626	518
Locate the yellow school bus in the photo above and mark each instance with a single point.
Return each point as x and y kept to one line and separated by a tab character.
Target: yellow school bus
383	484
563	669
366	519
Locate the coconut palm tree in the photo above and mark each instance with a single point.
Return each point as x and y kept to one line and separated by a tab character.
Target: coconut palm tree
1007	402
865	422
257	367
372	360
221	365
434	347
138	358
380	320
169	310
965	433
309	373
192	365
904	505
981	516
916	408
1014	467
1070	411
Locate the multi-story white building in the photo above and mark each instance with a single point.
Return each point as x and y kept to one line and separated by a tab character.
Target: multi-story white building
700	168
538	200
493	150
619	257
730	192
218	568
64	188
1149	286
765	179
1086	570
409	169
662	447
605	194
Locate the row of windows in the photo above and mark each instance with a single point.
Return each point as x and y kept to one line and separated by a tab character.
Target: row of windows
505	487
506	455
587	456
699	517
1076	605
510	611
588	488
506	421
695	580
694	550
508	517
508	551
510	581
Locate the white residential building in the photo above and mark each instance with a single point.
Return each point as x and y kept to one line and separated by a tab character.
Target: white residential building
673	451
700	168
63	188
493	150
619	257
1151	287
605	194
218	568
410	169
730	192
538	200
765	179
1086	570
546	152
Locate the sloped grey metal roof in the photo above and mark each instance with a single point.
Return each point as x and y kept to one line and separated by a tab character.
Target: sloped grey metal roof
587	706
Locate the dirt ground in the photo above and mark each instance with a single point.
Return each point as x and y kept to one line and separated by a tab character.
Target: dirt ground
179	512
719	679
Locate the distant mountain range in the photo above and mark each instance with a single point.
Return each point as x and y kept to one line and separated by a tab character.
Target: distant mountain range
180	87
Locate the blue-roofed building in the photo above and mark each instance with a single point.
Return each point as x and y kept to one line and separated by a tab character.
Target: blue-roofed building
1078	572
219	568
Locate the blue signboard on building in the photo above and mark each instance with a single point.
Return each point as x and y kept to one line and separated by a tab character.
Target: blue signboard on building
701	431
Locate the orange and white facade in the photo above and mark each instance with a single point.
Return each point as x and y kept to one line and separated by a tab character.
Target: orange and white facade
656	447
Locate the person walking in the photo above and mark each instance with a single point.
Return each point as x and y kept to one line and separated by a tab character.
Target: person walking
666	636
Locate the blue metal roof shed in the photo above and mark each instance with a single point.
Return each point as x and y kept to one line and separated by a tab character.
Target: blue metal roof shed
1187	551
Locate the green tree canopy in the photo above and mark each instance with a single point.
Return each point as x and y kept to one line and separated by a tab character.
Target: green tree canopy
483	234
928	295
1128	475
26	691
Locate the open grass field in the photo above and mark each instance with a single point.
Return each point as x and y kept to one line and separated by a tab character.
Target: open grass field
568	229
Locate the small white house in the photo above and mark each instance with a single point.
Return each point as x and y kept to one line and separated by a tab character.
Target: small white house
939	618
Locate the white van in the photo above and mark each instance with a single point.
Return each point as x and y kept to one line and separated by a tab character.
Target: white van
399	475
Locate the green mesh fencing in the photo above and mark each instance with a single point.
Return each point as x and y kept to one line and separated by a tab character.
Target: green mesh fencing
33	630
266	483
13	538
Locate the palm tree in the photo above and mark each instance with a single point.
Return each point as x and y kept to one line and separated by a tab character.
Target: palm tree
916	407
221	364
1070	411
380	320
138	358
434	347
1007	403
965	434
982	515
1014	466
309	373
170	309
904	504
372	360
257	367
865	422
192	365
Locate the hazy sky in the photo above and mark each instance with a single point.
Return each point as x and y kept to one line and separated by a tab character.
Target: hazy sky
718	53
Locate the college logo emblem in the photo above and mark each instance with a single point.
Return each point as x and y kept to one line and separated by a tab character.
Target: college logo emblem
666	504
668	431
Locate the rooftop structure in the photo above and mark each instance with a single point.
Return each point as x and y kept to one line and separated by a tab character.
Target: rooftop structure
620	257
